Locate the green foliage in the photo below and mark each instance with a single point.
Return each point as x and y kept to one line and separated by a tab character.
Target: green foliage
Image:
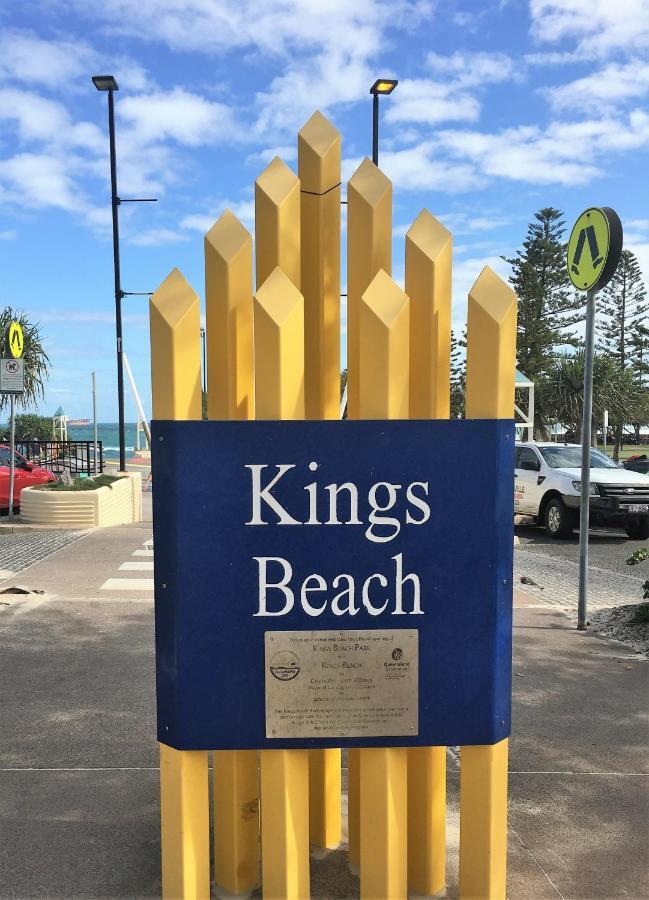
548	306
613	389
458	375
622	306
32	427
623	311
81	484
37	361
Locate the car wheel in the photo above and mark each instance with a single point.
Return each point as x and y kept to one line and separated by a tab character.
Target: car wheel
559	521
638	529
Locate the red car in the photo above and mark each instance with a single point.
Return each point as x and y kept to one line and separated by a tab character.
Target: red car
26	474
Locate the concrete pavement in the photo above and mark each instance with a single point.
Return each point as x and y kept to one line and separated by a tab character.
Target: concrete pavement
78	757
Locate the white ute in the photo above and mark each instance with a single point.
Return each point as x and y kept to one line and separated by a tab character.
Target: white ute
547	485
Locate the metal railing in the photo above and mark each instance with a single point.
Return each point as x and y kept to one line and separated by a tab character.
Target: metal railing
73	457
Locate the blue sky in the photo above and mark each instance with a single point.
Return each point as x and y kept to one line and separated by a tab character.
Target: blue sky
502	108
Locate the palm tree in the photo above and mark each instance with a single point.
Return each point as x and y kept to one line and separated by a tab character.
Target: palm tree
37	362
614	389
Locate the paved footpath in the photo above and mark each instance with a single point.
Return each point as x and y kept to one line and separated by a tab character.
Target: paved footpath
79	813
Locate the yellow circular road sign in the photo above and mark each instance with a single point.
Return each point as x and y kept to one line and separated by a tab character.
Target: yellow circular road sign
594	248
15	339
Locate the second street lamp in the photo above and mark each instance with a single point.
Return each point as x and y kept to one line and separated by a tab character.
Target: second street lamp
109	84
380	86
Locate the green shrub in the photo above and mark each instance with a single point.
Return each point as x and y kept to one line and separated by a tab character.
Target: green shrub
81	484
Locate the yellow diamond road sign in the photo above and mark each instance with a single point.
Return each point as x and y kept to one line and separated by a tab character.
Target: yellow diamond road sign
594	248
15	339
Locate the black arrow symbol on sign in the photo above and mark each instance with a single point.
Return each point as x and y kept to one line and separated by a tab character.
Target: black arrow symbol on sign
588	232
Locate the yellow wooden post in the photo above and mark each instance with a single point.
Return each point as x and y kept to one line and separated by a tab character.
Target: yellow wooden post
229	321
354	807
229	328
383	361
285	824
428	285
369	248
176	390
429	249
491	361
279	383
319	172
277	222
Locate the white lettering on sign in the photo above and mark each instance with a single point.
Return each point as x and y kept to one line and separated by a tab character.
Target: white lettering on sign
386	510
382	497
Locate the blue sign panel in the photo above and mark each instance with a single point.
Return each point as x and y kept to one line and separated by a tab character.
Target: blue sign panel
281	546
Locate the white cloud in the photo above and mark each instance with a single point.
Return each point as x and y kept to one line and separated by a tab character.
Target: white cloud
39	119
244	210
155	237
87	317
39	180
176	115
429	102
8	235
421	168
50	64
598	27
465	274
474	69
563	153
604	89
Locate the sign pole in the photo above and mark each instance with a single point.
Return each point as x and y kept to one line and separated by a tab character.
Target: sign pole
94	421
594	250
12	460
586	434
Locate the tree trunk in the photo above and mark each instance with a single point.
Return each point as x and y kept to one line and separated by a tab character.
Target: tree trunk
618	442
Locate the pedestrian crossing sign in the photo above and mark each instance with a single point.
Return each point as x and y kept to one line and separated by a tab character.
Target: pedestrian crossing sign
15	339
594	248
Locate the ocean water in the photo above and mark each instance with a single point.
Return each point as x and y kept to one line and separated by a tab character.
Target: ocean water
108	433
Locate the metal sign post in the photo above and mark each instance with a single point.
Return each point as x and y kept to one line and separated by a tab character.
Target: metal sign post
586	434
12	382
12	459
594	250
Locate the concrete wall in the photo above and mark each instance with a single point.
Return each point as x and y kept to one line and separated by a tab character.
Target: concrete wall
119	504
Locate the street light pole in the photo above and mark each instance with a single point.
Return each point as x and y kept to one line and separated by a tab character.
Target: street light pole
375	128
118	283
380	86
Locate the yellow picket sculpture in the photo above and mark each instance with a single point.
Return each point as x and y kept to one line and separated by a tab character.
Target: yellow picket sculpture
176	394
276	355
229	335
491	351
384	327
279	381
428	285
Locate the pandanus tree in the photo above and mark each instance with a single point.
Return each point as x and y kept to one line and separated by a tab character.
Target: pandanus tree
37	362
613	389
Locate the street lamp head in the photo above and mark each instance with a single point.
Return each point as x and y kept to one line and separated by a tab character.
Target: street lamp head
105	83
383	86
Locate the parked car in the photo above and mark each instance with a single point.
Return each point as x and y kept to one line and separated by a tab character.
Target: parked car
547	485
637	464
26	475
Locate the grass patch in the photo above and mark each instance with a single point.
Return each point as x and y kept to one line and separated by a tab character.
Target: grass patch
81	484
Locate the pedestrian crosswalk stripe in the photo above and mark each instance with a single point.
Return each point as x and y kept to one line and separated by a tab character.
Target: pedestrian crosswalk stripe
128	584
136	566
143	553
